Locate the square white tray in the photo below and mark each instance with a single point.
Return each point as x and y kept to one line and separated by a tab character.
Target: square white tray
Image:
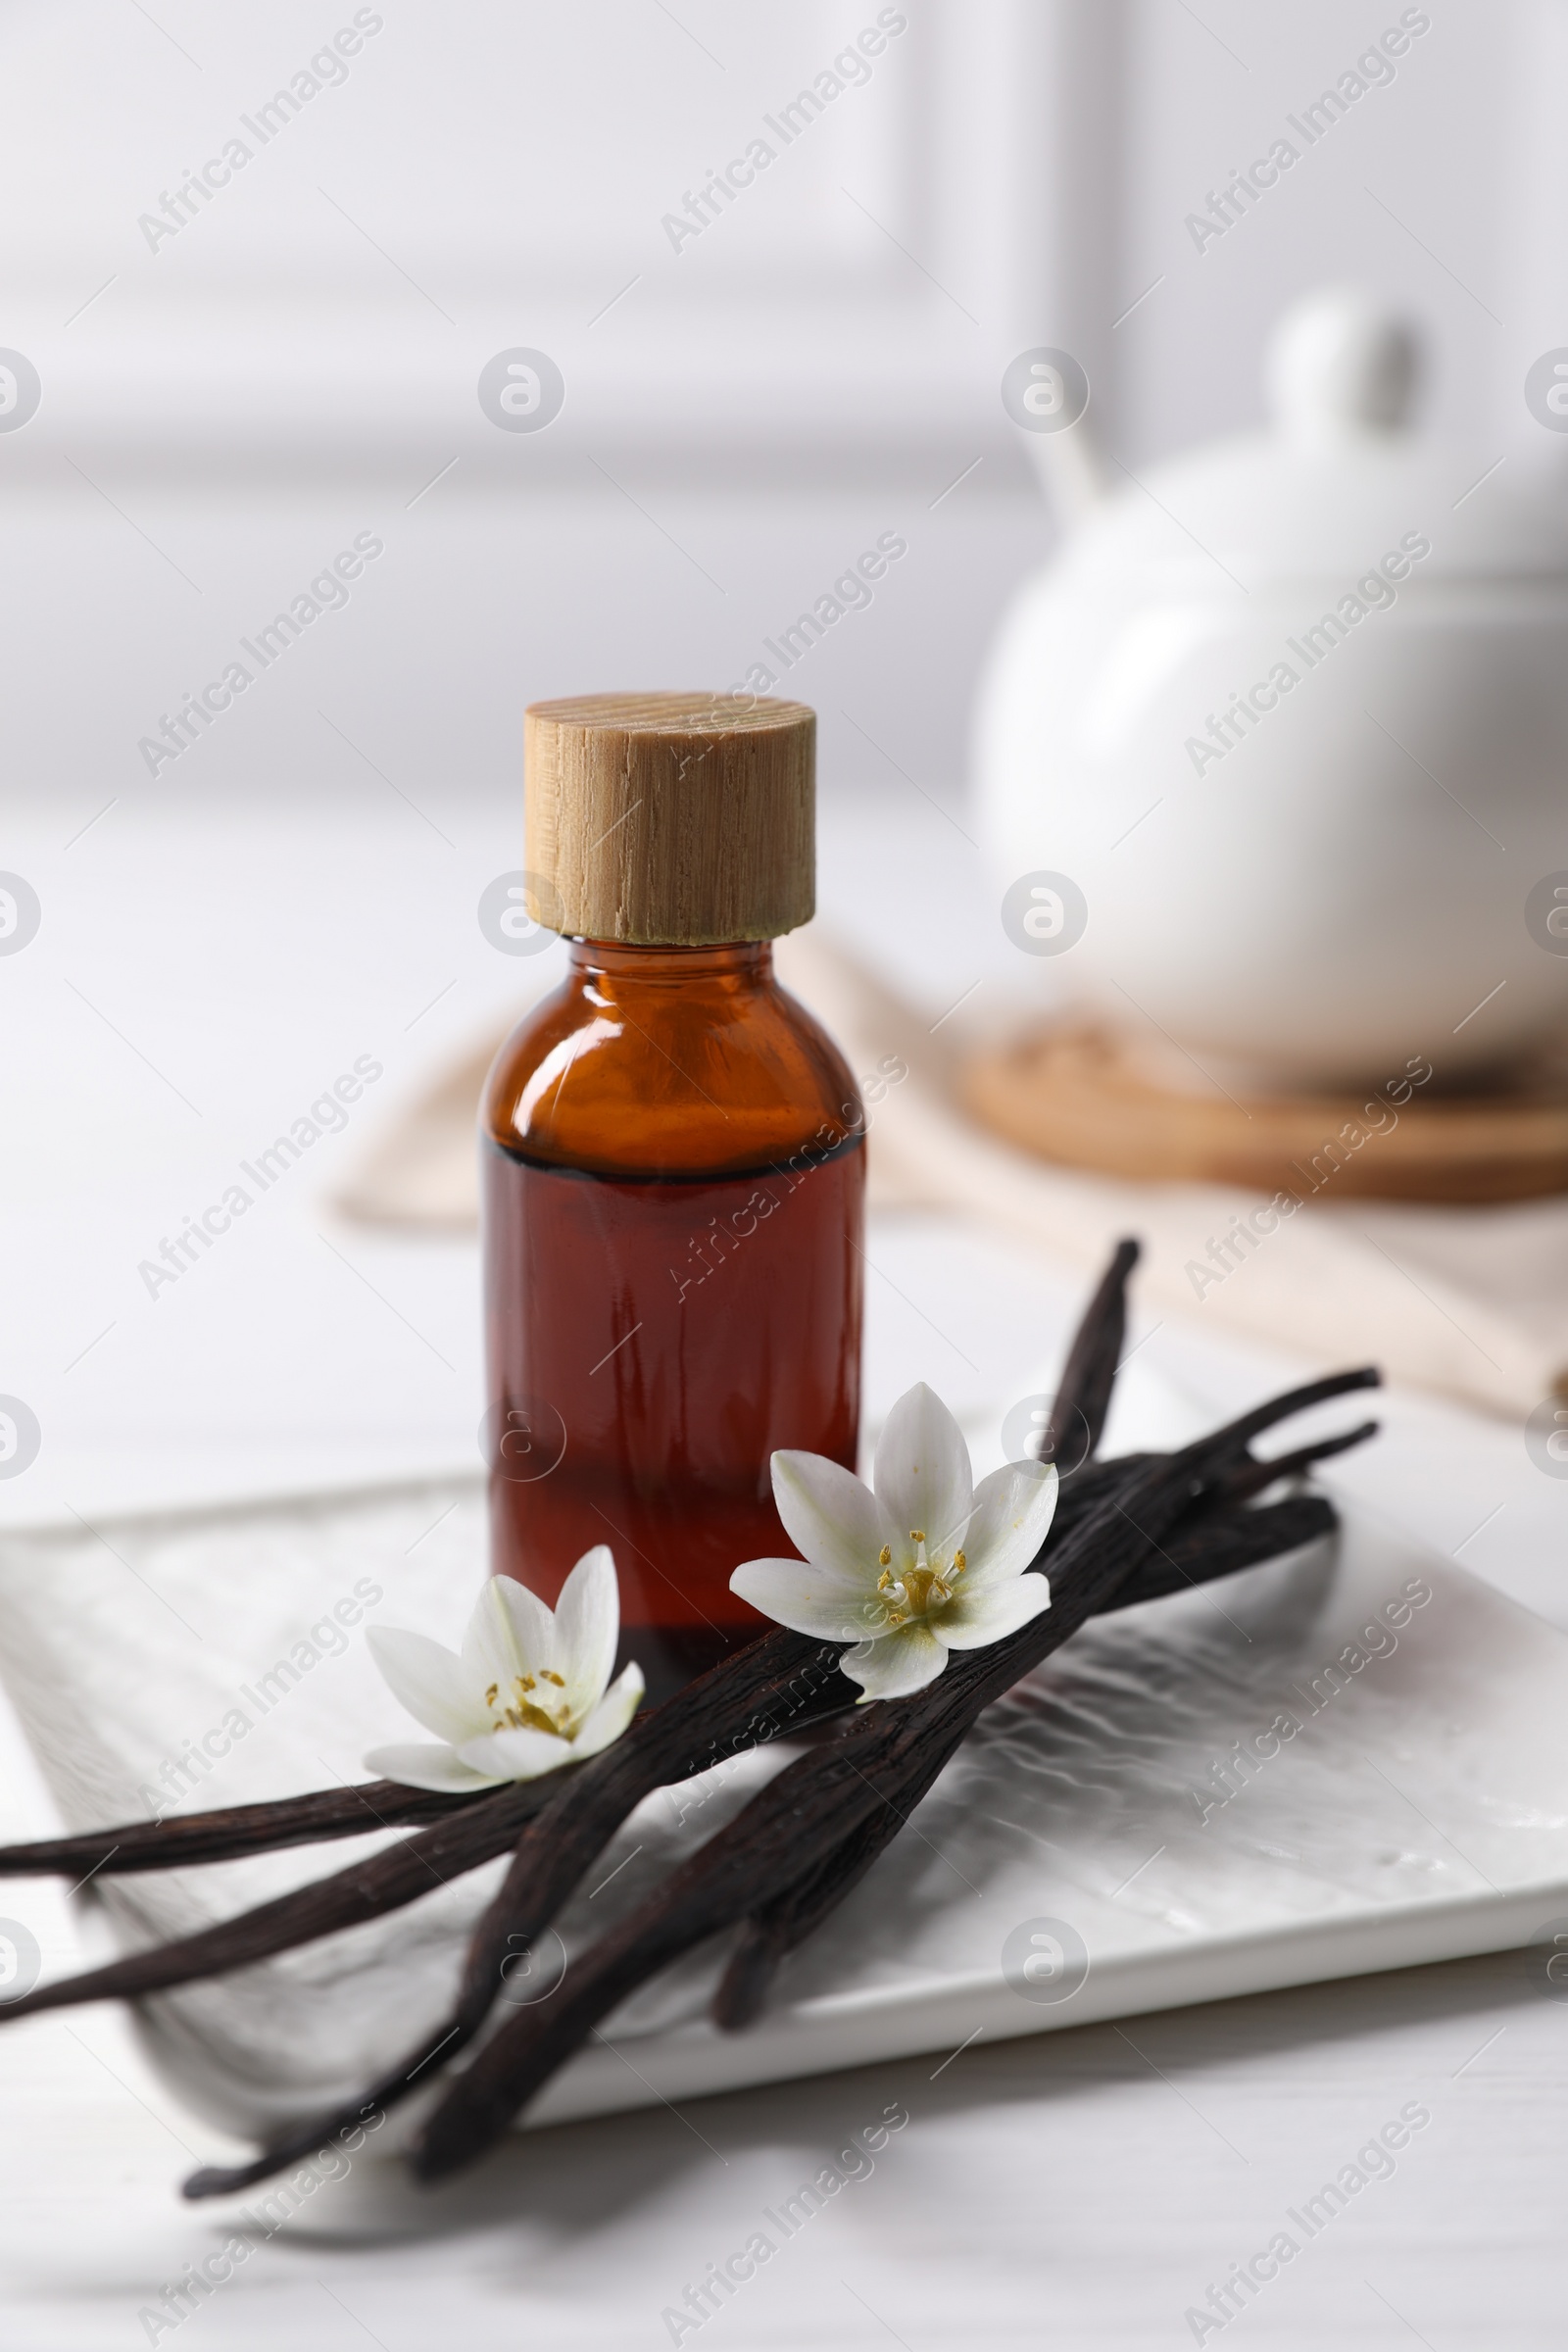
1419	1812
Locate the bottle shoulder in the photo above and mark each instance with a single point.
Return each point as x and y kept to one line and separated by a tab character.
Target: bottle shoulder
669	1079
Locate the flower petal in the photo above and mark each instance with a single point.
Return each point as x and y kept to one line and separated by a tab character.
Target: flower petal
1012	1513
828	1514
437	1689
811	1599
923	1478
510	1634
587	1629
516	1755
487	1644
973	1620
420	1767
612	1713
897	1664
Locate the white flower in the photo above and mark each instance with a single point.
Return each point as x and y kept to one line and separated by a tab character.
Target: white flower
927	1563
529	1694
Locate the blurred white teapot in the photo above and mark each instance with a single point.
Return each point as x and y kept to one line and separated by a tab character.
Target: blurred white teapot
1292	713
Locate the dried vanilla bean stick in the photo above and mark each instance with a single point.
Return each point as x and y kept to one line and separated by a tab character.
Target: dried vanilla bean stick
1215	1545
1220	1545
772	1929
1216	1549
784	1675
550	1861
779	1685
1080	1406
1259	1472
1229	1543
384	1881
1224	1542
473	1833
821	1799
1083	1393
232	1831
1252	1475
1209	1548
816	1802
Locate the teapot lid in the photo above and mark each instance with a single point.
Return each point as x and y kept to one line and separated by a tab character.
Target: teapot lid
1337	482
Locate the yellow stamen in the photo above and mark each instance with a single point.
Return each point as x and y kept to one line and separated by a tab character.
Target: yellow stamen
490	1694
883	1556
527	1717
547	1675
959	1563
917	1535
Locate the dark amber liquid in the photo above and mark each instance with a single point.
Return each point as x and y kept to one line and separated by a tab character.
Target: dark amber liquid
656	1332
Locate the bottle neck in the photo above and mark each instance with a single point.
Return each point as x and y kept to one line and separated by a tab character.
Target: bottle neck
746	964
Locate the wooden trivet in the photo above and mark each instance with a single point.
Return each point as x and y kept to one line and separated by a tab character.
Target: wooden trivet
1075	1096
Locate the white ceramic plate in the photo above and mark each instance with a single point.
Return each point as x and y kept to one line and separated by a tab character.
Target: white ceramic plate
1079	1860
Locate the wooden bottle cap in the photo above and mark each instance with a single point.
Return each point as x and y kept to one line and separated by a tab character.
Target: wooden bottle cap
670	819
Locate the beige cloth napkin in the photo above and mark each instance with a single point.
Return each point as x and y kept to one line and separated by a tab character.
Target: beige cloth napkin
1472	1301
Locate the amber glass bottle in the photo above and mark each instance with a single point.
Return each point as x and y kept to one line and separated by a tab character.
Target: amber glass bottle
673	1170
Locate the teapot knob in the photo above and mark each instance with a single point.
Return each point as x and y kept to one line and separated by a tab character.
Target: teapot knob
1339	365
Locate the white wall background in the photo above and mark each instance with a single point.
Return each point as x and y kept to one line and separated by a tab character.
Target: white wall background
300	361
